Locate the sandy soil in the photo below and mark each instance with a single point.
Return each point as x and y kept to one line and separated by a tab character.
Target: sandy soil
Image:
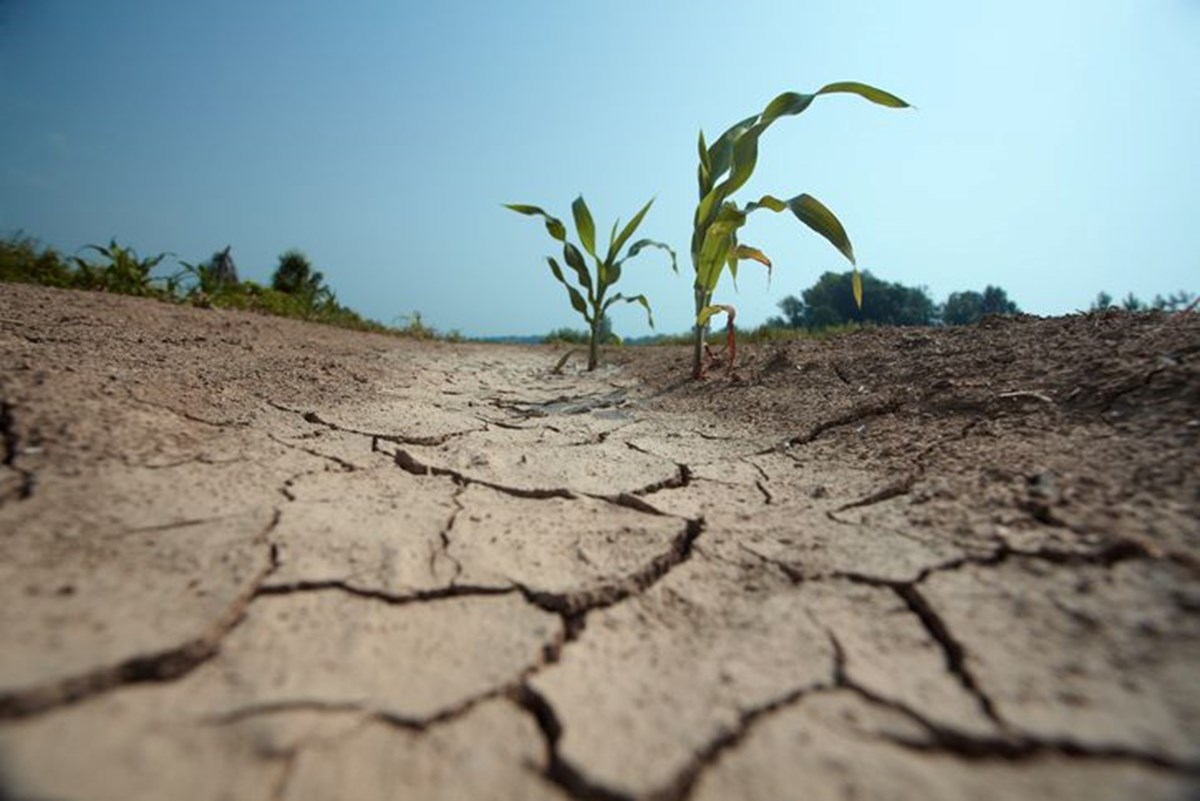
248	558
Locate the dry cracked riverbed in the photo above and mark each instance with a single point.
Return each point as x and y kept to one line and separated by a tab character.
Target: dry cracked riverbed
245	558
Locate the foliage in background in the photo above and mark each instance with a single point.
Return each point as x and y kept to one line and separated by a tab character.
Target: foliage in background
121	271
575	336
23	261
591	303
715	244
209	284
1176	301
964	308
830	303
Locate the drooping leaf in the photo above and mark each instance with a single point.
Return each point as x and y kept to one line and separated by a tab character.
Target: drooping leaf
577	301
708	311
786	104
584	225
747	252
856	285
575	261
640	245
866	91
634	299
705	170
553	225
816	216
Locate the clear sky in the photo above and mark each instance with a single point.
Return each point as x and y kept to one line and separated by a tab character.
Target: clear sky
1055	150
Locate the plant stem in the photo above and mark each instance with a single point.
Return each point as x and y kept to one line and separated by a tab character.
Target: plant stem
593	344
698	344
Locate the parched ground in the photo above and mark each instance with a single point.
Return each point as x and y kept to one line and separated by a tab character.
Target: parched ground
247	558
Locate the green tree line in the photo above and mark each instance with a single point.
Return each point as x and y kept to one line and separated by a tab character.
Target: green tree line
830	302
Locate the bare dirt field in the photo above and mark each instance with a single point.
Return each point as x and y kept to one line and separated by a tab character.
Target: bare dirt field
247	558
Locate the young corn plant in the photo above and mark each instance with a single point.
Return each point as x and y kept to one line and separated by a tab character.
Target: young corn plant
724	168
591	300
124	273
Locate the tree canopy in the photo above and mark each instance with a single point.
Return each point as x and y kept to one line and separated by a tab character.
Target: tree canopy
830	302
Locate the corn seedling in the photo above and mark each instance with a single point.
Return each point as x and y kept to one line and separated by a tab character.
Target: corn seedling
125	272
734	154
593	302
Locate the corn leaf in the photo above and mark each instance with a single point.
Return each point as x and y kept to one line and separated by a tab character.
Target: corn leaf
767	202
747	252
553	225
857	286
577	301
786	104
584	225
634	299
627	231
575	261
708	311
721	153
640	245
813	213
865	91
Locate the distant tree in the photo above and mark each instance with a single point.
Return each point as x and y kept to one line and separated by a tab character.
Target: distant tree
962	308
830	302
965	308
1103	301
295	276
793	314
995	301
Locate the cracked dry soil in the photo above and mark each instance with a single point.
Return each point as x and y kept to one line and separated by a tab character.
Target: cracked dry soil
247	558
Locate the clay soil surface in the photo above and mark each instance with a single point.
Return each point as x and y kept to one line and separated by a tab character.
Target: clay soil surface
249	558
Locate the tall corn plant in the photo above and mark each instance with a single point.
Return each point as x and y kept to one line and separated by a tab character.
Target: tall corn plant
593	301
724	168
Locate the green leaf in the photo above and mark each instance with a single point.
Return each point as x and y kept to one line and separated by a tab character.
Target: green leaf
865	91
635	299
786	104
584	225
575	260
704	171
640	245
813	213
747	252
627	231
553	225
577	300
720	238
856	285
707	312
767	202
721	153
745	158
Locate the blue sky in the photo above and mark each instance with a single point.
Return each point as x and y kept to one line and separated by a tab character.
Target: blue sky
1053	150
